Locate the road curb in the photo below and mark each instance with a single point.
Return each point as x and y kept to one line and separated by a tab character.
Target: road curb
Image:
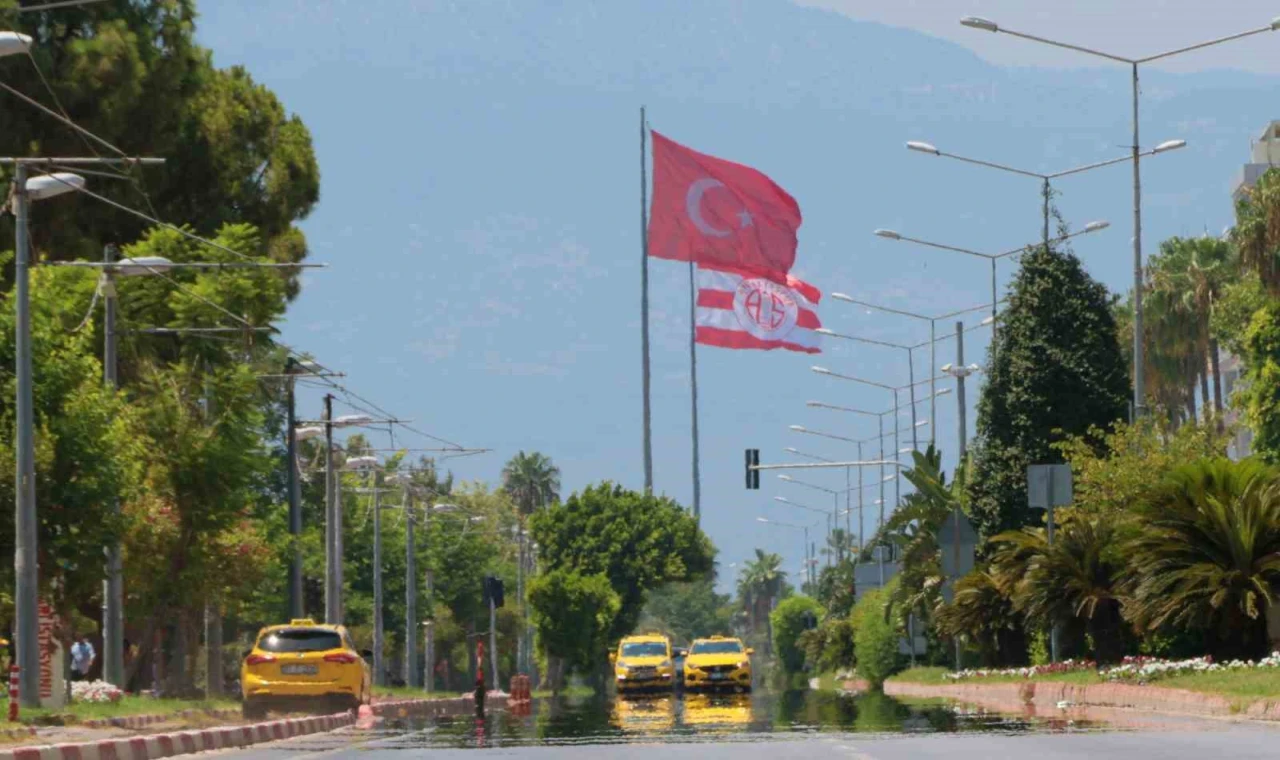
181	742
435	706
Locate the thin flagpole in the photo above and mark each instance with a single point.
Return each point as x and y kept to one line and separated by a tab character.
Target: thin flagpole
644	301
693	376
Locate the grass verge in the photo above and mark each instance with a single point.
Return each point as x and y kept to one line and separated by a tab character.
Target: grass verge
79	712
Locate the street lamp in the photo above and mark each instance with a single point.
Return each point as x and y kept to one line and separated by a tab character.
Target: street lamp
977	22
793	526
13	43
26	554
1045	178
994	257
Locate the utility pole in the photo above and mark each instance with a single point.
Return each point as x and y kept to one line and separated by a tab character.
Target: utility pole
379	671
25	562
331	528
26	568
493	633
113	585
296	605
961	371
410	593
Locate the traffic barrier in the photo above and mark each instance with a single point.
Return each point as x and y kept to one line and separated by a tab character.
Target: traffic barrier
13	693
181	743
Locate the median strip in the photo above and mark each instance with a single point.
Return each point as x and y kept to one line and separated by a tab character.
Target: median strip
182	742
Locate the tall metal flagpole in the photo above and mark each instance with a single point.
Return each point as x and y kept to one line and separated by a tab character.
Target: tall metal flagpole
644	301
693	377
113	585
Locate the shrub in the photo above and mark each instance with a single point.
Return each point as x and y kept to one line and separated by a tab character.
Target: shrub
875	641
788	622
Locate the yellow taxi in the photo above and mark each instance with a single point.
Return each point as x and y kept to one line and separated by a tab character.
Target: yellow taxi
718	663
643	663
304	664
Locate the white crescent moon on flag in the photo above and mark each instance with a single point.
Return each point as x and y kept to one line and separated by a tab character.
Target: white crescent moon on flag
693	206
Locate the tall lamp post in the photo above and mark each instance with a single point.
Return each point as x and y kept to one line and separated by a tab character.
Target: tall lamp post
991	257
976	22
924	147
26	563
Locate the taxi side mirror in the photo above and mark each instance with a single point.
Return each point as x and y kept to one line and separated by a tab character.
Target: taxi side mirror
613	658
750	650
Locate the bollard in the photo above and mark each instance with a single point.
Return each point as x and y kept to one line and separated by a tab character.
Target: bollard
13	693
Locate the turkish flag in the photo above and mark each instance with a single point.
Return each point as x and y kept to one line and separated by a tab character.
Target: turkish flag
742	309
718	213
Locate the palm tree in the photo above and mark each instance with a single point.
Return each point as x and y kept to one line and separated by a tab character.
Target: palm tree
532	480
1205	554
759	584
983	610
1256	234
1075	578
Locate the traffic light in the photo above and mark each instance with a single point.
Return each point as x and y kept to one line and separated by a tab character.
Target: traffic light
493	591
753	476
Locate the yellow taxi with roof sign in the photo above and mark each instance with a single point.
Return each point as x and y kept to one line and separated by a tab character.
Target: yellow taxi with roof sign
643	663
718	662
304	664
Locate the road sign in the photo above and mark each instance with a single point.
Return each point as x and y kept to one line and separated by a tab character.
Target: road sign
947	540
1048	485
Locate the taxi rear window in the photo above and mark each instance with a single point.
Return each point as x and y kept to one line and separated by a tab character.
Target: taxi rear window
300	640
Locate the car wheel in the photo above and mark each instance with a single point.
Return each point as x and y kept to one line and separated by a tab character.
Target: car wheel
252	709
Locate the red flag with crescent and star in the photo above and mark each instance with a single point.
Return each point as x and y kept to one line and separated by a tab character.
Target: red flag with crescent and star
718	213
739	228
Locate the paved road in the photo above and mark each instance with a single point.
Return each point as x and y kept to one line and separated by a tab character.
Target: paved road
1192	741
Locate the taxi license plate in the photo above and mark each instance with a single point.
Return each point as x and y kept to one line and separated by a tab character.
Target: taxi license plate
717	676
299	670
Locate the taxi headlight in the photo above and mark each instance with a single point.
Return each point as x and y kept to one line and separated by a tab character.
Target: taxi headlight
744	664
665	664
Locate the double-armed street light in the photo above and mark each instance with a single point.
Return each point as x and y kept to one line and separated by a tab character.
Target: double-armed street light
993	258
987	25
1045	178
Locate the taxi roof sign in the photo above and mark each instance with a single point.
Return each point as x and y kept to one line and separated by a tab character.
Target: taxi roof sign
302	621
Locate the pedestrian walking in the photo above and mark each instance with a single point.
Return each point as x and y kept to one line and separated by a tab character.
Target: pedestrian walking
82	658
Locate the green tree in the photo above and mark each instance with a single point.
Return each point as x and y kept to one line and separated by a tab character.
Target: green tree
1256	233
574	615
133	74
688	610
875	639
787	622
532	480
1055	369
638	541
760	584
1112	469
1204	554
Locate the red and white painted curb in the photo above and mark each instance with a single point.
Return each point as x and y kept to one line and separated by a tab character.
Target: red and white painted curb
182	742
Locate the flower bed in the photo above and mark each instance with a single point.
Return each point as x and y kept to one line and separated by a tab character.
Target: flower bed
1066	666
95	691
1143	669
1130	670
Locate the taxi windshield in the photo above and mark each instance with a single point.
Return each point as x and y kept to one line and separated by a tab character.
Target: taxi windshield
644	649
300	640
716	647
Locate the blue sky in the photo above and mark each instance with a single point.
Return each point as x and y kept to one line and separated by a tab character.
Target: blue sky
480	204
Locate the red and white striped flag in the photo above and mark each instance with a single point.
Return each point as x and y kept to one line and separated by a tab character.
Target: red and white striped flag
740	309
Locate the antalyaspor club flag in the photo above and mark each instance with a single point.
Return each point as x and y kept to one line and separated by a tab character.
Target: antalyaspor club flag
719	214
740	309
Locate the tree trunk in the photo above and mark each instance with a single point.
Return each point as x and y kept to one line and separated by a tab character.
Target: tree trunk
213	650
1204	390
1214	360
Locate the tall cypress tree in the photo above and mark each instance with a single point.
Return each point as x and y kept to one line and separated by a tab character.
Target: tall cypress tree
1055	369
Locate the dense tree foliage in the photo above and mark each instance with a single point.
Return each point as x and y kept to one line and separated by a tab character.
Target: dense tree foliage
788	623
638	541
1055	369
